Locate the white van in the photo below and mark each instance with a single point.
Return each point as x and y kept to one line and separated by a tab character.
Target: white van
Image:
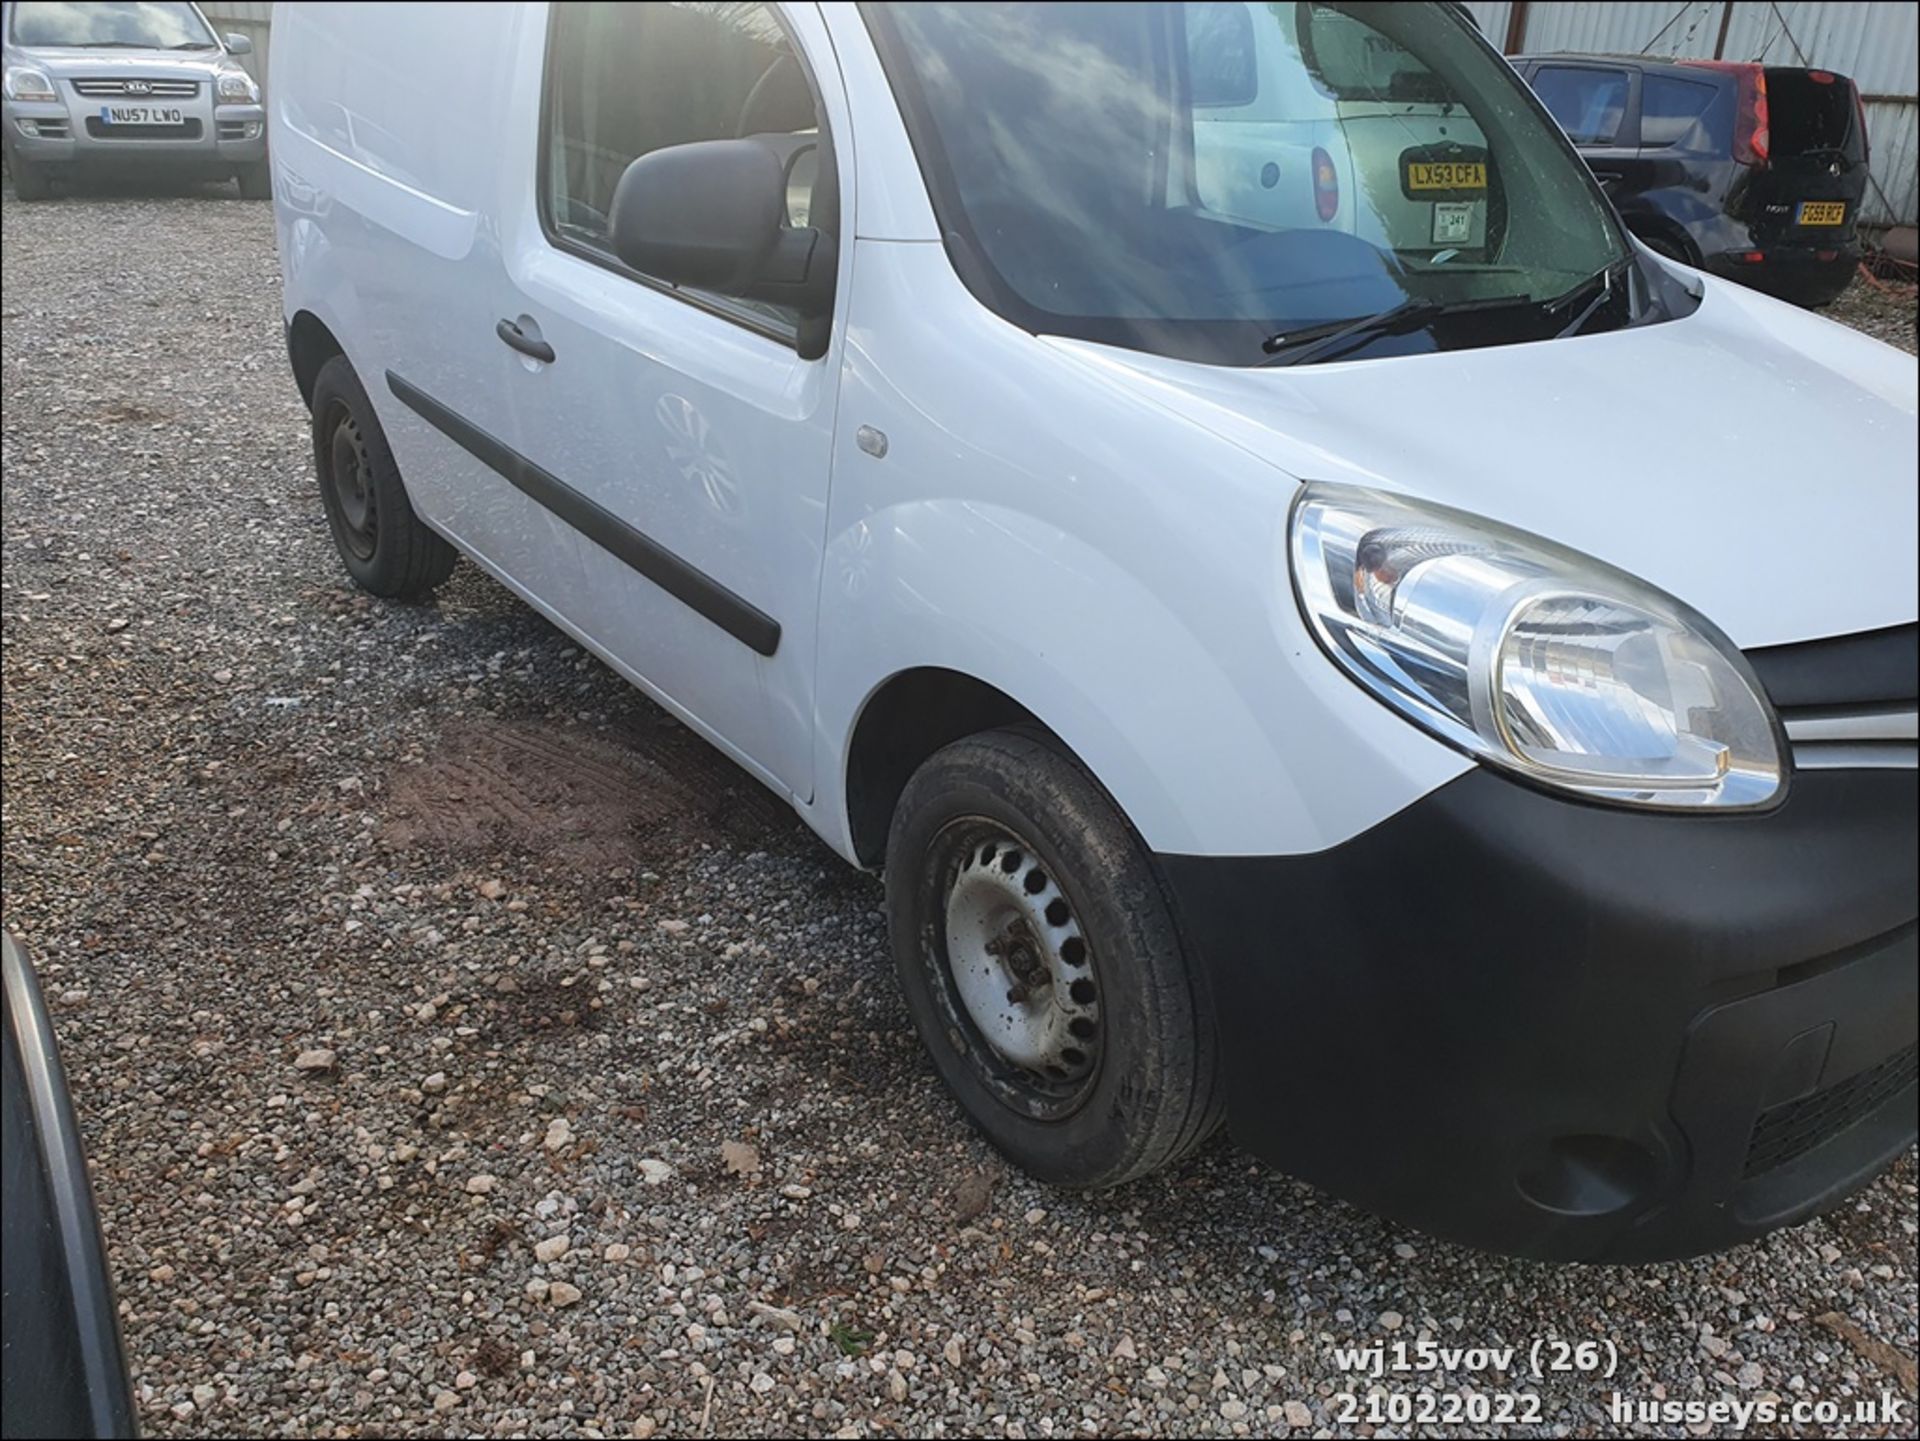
1447	710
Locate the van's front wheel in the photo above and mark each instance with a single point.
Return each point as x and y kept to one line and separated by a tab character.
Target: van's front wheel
386	547
1043	967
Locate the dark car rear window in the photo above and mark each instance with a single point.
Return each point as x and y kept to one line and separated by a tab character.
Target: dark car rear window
1810	112
1588	102
1670	108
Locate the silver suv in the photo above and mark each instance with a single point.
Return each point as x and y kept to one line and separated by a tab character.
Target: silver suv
129	87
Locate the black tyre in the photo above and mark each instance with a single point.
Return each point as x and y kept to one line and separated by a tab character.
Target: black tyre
1043	967
256	181
29	181
386	548
1666	248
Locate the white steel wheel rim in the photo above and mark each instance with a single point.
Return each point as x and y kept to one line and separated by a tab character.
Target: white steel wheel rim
1021	968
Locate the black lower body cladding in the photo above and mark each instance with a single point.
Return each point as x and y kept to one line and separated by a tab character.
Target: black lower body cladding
1566	1031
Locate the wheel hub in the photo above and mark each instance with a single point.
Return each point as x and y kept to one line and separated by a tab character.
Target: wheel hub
1020	966
352	484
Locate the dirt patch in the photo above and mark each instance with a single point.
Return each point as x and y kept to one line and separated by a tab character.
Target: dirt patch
577	796
126	412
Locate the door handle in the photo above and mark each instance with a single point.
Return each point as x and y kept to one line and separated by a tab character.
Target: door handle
522	342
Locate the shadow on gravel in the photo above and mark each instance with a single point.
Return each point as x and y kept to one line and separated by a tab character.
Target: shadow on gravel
114	189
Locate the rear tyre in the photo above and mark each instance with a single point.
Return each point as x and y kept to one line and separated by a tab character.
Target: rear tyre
29	181
256	181
1042	965
1666	249
386	548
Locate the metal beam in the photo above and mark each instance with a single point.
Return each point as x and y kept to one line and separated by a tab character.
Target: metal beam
1516	29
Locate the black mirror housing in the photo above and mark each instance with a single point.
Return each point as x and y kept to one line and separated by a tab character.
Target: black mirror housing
710	214
704	214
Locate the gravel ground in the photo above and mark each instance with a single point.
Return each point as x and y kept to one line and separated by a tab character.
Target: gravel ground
464	1048
1885	309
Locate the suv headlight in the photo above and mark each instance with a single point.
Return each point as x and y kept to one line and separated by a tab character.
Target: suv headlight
25	83
235	87
1532	657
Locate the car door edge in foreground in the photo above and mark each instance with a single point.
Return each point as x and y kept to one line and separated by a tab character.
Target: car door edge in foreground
62	1331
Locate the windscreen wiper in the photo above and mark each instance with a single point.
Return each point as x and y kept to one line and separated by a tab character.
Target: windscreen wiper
1294	347
1602	285
1316	341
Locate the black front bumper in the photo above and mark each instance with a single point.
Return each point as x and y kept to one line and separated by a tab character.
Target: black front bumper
1575	1032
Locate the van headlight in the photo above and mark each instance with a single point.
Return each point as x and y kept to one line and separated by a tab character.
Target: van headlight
1532	657
25	83
235	87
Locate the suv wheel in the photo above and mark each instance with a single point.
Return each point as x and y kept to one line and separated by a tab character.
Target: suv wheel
29	181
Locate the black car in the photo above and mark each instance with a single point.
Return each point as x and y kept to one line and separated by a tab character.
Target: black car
1754	172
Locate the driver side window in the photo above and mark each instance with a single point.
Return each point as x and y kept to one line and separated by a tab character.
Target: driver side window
624	80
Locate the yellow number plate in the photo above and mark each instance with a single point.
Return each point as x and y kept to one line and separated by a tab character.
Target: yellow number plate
1445	175
1823	212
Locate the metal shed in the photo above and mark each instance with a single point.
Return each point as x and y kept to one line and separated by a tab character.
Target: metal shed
1878	45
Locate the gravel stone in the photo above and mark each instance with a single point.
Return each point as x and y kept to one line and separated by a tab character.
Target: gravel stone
272	816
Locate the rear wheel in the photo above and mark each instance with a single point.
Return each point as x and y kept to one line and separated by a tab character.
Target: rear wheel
256	181
29	181
386	547
1667	249
1042	965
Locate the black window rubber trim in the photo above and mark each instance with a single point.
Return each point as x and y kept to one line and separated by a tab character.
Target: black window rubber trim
739	618
1870	668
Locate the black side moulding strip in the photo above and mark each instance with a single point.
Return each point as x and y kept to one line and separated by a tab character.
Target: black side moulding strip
738	617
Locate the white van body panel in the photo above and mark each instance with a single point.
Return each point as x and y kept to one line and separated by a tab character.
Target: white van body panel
1099	534
1637	447
1114	566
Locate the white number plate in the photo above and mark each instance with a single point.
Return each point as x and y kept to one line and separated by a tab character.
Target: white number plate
1453	224
142	115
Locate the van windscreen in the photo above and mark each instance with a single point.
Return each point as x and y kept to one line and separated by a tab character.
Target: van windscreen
1207	179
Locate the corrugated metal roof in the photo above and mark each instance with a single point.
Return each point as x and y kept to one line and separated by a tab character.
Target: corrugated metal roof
254	12
1893	130
1659	28
1494	19
1875	44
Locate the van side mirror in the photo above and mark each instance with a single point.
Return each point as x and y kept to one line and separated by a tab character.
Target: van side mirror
710	215
237	44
